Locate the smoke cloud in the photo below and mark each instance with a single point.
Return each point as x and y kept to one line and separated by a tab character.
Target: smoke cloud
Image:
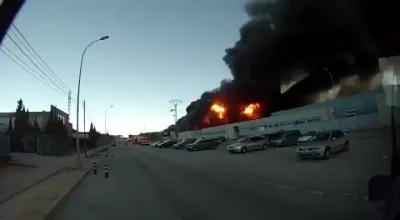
328	41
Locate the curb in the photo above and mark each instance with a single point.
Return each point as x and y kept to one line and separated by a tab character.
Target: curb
30	186
100	148
57	206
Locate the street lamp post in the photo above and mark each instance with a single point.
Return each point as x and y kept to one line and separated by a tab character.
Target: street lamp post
330	76
77	99
105	119
333	90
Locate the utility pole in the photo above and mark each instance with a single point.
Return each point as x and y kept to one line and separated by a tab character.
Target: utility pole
84	127
175	103
69	116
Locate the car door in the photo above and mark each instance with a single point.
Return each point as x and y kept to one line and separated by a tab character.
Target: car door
252	143
259	142
205	144
340	140
335	141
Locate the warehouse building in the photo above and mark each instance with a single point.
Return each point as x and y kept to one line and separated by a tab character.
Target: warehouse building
367	110
41	118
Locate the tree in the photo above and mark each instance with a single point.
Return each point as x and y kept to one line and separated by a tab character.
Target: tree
21	122
35	128
10	126
55	125
93	135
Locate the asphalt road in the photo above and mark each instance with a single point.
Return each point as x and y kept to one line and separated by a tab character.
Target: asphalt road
145	184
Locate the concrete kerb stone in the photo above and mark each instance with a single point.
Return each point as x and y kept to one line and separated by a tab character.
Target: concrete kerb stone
30	186
60	203
99	149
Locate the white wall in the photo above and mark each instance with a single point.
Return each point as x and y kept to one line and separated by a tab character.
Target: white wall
376	114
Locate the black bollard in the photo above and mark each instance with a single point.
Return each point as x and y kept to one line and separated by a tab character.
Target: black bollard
105	171
94	168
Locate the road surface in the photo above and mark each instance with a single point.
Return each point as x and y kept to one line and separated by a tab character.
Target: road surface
144	185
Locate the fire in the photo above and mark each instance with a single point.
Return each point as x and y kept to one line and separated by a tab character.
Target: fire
220	110
252	110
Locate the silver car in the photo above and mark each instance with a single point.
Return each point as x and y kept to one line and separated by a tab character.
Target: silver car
246	144
324	144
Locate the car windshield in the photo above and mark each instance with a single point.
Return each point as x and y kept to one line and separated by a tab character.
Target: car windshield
322	136
243	140
198	141
310	133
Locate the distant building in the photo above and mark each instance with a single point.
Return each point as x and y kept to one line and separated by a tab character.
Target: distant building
41	118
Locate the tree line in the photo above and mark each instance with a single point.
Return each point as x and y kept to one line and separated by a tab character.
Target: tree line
22	126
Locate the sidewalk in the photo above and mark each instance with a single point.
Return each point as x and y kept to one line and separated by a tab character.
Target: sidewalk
40	201
27	169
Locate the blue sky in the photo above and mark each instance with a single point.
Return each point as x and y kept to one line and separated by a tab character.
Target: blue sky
157	51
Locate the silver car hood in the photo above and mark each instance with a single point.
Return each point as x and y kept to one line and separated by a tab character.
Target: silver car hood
236	145
305	138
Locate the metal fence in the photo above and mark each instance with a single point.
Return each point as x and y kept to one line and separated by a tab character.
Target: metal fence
30	144
4	144
53	145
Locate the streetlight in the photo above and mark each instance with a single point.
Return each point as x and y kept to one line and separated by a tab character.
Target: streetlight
330	75
105	119
77	99
333	90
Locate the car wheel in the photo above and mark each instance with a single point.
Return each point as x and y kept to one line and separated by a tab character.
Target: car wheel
244	150
264	147
195	149
346	146
327	153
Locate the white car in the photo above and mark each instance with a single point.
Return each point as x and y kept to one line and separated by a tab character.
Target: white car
156	144
324	144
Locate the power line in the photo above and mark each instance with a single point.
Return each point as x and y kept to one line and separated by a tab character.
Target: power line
39	57
26	65
26	55
30	73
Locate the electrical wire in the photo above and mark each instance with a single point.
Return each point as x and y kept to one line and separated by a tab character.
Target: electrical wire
30	73
35	53
26	55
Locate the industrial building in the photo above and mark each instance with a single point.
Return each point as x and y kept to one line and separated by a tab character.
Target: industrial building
41	118
367	110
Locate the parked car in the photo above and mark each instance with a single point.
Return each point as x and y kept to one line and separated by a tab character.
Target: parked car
144	141
155	144
182	144
203	144
306	137
323	144
168	143
285	138
246	144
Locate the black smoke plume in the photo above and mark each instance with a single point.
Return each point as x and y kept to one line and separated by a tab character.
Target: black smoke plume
341	38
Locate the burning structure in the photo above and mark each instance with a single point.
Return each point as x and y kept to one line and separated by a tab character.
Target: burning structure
311	45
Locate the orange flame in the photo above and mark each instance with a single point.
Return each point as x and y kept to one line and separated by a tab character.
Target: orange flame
220	110
251	110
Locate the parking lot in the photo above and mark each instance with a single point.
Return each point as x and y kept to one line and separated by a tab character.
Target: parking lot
346	173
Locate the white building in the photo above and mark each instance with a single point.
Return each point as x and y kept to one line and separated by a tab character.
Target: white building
41	118
371	107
